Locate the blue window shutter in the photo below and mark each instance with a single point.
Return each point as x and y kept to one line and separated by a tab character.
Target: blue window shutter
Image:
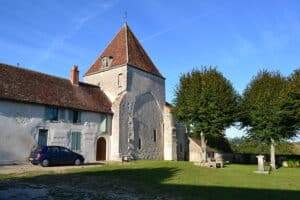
78	141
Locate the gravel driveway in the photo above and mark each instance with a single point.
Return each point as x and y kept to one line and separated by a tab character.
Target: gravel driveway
27	167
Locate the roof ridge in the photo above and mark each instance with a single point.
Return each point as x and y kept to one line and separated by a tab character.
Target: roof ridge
149	58
126	42
43	73
125	49
26	85
31	70
103	50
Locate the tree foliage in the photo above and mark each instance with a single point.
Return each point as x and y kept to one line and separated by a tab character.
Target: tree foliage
205	101
246	145
268	108
294	95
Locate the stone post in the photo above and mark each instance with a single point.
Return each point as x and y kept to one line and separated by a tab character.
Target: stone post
260	165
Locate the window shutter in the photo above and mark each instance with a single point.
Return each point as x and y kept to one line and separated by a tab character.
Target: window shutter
73	141
78	141
69	135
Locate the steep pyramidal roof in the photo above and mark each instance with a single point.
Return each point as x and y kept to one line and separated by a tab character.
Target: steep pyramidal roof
125	49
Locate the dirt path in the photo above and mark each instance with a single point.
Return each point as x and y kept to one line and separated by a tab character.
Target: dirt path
27	167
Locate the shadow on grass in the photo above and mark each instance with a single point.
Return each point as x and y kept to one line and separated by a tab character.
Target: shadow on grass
143	183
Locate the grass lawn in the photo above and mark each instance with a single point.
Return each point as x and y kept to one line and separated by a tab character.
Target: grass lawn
160	180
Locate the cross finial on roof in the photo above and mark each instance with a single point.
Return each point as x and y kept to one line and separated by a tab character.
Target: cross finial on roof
125	17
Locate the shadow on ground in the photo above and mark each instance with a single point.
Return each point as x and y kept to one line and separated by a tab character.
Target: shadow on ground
125	184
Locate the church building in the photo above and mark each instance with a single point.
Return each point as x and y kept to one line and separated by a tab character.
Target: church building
118	112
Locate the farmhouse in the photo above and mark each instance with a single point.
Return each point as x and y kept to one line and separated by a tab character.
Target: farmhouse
118	111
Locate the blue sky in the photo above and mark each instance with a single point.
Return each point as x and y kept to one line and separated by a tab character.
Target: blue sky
239	37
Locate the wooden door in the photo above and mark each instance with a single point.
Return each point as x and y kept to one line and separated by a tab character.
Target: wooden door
101	149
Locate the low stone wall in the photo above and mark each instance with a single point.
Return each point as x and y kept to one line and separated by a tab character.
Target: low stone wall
251	158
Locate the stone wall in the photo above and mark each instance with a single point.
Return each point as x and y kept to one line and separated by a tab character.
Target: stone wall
20	124
138	106
181	142
146	95
175	137
195	152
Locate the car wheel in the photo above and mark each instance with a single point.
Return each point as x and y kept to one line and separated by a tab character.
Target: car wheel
45	163
77	162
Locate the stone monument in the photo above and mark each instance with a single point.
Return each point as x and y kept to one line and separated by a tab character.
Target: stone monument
261	165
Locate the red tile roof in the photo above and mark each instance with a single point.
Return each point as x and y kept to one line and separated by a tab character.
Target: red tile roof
33	87
125	49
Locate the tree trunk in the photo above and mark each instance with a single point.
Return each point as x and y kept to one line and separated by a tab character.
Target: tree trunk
272	155
203	147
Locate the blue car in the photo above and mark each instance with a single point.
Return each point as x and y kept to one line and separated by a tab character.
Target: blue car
55	155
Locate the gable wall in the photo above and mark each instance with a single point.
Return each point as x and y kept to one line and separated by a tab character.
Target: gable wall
146	95
108	81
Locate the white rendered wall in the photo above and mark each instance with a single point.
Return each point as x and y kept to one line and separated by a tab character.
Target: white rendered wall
168	135
112	81
20	124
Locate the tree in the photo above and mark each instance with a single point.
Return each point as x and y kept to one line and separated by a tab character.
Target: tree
245	145
294	94
206	102
268	110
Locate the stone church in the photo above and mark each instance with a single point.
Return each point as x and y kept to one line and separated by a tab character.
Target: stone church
119	110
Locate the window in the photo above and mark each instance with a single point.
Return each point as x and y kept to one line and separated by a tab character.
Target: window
52	113
103	124
53	150
75	141
42	137
120	80
105	62
154	135
75	116
140	144
64	150
61	114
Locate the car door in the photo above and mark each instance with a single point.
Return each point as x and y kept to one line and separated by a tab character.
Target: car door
54	155
66	156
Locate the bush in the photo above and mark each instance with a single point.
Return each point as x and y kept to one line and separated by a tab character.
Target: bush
293	163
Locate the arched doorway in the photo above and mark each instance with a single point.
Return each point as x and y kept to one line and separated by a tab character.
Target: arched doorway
101	149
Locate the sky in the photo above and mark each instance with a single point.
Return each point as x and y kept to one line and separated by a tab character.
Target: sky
238	37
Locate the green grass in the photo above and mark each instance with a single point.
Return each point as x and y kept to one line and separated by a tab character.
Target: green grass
179	180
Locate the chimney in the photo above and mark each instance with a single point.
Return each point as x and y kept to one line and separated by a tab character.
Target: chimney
74	77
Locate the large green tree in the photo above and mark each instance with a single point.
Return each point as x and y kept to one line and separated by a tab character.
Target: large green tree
268	110
294	94
206	102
